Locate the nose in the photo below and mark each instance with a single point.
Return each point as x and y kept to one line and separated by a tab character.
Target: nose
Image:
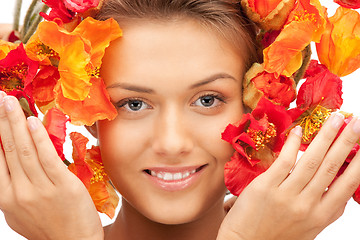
172	136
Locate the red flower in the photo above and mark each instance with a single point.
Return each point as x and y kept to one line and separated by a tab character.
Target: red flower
239	173
80	5
259	135
258	83
354	4
58	11
44	83
17	71
318	96
55	124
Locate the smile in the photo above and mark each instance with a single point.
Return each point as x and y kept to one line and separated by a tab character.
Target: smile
174	179
171	176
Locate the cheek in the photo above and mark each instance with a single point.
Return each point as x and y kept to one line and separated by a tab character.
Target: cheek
121	142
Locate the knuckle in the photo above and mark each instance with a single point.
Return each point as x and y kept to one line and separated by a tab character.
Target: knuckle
353	184
26	151
332	168
9	145
312	164
301	211
348	140
25	200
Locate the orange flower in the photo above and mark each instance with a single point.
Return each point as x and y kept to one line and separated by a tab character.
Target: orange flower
270	15
307	23
6	47
80	52
78	57
339	48
96	106
89	168
259	83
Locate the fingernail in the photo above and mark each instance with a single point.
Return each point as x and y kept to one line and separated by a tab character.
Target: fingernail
33	123
297	130
2	95
337	120
356	125
9	103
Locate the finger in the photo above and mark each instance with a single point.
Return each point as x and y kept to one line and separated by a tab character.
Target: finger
49	159
4	170
15	169
280	169
335	158
344	186
310	161
23	149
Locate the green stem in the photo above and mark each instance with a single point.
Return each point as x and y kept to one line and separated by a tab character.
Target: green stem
34	25
17	15
27	17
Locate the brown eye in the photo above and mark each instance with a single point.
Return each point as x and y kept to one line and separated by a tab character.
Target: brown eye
133	105
207	101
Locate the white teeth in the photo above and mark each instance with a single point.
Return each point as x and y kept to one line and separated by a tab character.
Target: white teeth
159	175
172	176
177	176
168	177
185	175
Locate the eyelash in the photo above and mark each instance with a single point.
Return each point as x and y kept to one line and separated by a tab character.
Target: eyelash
124	102
219	97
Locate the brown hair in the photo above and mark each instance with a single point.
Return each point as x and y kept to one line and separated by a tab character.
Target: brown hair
225	16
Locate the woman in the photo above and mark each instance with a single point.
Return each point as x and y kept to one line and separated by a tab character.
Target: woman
175	77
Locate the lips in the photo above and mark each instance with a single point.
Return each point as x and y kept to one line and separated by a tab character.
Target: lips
174	179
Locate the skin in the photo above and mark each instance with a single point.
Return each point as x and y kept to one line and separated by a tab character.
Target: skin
35	187
181	62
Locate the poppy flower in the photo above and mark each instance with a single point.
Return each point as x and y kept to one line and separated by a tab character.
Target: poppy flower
238	173
80	52
78	57
339	48
270	15
96	106
354	4
89	168
44	83
258	83
17	71
55	124
80	6
307	23
6	47
259	135
58	11
318	96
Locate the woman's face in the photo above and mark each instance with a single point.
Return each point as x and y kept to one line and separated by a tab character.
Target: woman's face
176	86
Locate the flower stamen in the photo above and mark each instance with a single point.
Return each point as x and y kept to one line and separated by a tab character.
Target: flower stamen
312	123
99	174
260	138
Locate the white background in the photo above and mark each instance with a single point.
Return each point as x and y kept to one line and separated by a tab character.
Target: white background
346	228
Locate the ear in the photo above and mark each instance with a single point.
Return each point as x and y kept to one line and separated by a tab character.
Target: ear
93	130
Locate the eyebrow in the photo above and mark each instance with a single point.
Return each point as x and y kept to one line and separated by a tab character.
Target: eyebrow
203	82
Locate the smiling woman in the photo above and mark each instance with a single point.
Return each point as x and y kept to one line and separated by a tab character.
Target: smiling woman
175	81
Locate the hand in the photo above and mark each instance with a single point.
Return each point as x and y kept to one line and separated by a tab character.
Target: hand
298	205
40	198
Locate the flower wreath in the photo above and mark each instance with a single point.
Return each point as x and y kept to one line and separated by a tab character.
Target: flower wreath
38	68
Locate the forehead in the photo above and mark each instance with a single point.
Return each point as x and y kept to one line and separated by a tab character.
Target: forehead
169	52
